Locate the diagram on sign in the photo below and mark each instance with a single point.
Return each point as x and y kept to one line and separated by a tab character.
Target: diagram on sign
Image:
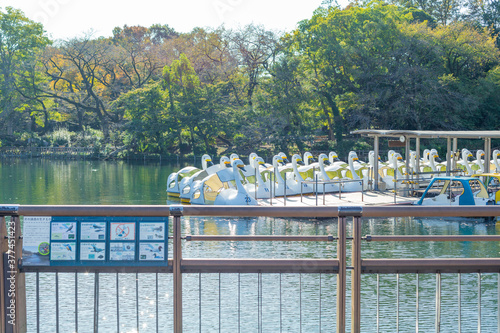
152	251
93	231
152	231
44	248
122	251
63	251
122	231
92	251
63	230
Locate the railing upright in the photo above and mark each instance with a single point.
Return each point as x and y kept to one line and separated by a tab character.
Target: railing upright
356	276
13	299
176	212
4	247
341	277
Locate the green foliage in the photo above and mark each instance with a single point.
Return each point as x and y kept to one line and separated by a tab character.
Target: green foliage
148	118
87	138
20	41
59	137
397	65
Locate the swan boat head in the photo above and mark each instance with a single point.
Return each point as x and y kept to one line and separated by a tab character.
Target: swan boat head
225	162
233	157
283	157
206	161
308	158
251	159
333	157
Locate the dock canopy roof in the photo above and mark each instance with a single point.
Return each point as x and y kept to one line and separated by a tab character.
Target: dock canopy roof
407	136
430	134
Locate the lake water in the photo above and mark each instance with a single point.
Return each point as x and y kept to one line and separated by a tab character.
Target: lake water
245	302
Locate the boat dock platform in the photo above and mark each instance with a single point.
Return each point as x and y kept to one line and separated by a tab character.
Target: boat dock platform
366	198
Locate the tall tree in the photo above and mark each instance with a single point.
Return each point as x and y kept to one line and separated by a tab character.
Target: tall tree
149	122
20	40
255	48
82	73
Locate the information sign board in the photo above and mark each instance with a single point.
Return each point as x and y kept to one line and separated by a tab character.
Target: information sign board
95	241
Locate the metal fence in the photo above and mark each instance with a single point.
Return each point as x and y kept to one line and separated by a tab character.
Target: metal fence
208	280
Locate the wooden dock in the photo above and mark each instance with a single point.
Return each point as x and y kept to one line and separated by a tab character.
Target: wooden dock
367	198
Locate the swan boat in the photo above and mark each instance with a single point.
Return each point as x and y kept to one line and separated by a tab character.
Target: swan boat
223	188
189	184
175	178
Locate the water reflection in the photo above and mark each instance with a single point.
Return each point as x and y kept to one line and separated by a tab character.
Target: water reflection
273	302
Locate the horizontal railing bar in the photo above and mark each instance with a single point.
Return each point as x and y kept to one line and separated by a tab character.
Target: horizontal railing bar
433	238
259	265
241	238
447	265
381	266
94	210
100	269
163	210
255	211
431	211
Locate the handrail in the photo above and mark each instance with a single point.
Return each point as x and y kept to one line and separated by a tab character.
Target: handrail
254	211
424	265
433	238
257	238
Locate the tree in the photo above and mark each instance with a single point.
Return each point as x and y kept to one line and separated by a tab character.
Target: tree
285	107
254	48
20	40
378	66
196	106
149	121
81	74
137	58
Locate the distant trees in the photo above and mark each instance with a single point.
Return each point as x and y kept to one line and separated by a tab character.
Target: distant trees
380	68
403	65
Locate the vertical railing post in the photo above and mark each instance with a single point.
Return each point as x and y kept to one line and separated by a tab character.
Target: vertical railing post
341	277
21	320
13	288
356	276
4	247
438	302
176	212
343	212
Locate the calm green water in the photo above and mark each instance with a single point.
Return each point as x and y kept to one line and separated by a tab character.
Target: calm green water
46	182
273	302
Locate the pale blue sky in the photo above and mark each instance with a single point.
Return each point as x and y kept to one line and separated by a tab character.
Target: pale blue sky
65	19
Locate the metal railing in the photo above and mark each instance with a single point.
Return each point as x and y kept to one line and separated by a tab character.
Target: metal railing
179	265
323	183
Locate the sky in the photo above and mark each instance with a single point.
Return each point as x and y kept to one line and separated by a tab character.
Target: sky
65	19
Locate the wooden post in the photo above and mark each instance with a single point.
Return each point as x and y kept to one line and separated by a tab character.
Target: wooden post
3	248
417	149
341	276
455	151
487	152
449	156
176	212
20	297
356	276
375	167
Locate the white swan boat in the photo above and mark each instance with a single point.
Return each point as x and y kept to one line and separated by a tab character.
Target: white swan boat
223	188
175	178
